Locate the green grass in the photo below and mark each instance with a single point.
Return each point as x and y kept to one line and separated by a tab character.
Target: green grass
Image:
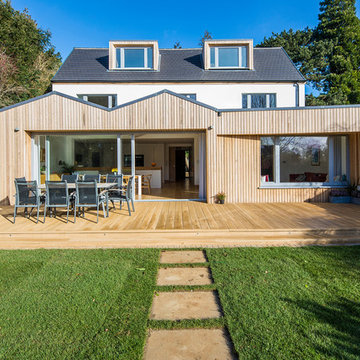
75	304
279	303
290	303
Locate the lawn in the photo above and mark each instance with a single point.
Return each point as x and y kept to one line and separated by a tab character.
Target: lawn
75	304
279	303
290	303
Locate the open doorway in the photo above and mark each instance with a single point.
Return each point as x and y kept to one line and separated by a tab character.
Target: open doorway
176	164
180	164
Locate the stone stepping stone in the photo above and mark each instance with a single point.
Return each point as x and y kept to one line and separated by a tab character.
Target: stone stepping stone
180	305
189	344
184	276
182	257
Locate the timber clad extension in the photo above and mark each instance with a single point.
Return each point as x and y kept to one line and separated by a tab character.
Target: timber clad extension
232	137
225	118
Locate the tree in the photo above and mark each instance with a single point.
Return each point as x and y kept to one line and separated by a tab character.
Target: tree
299	46
338	33
177	45
8	86
30	58
207	36
328	55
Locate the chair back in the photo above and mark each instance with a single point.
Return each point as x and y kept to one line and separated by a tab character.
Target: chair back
111	178
146	179
27	193
91	177
20	179
86	193
57	193
69	178
129	189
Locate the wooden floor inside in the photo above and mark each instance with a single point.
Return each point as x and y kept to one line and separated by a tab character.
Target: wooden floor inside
171	191
188	224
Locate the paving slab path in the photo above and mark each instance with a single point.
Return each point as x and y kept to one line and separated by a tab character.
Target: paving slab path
185	305
186	344
184	276
181	257
191	344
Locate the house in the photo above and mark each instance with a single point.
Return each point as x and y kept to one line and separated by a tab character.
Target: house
226	117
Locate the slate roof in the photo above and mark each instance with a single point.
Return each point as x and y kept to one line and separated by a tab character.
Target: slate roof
184	65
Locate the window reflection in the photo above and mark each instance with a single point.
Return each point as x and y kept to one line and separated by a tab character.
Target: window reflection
304	159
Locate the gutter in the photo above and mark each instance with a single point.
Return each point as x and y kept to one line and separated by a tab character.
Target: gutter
297	94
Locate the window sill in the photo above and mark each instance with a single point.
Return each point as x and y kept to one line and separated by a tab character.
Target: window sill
229	68
301	186
131	69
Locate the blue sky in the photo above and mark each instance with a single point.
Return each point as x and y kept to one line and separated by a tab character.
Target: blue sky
93	23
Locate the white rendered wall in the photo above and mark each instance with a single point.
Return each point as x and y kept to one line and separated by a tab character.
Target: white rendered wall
222	96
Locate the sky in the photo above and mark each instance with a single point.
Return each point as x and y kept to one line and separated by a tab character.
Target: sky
92	23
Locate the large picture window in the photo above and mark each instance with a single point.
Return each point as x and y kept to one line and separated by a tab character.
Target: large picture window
304	160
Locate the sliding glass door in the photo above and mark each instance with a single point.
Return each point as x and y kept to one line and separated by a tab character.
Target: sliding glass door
57	154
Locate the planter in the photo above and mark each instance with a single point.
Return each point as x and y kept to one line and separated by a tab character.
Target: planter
340	199
355	200
222	202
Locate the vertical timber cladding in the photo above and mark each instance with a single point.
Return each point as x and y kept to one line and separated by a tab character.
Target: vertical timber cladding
238	174
232	138
354	154
56	113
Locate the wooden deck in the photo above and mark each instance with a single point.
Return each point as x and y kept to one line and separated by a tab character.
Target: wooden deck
188	224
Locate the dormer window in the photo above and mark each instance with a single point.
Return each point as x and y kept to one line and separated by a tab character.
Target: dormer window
134	58
228	57
133	55
228	54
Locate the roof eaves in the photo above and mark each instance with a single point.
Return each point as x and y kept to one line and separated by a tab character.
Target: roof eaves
109	109
27	101
54	93
176	81
179	96
293	108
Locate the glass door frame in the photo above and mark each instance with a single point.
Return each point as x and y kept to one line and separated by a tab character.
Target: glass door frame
36	149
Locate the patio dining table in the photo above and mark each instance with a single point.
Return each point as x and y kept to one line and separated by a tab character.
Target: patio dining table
72	186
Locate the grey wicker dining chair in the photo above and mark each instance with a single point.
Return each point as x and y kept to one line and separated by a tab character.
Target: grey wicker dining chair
91	177
57	196
27	196
115	192
70	178
87	196
128	195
